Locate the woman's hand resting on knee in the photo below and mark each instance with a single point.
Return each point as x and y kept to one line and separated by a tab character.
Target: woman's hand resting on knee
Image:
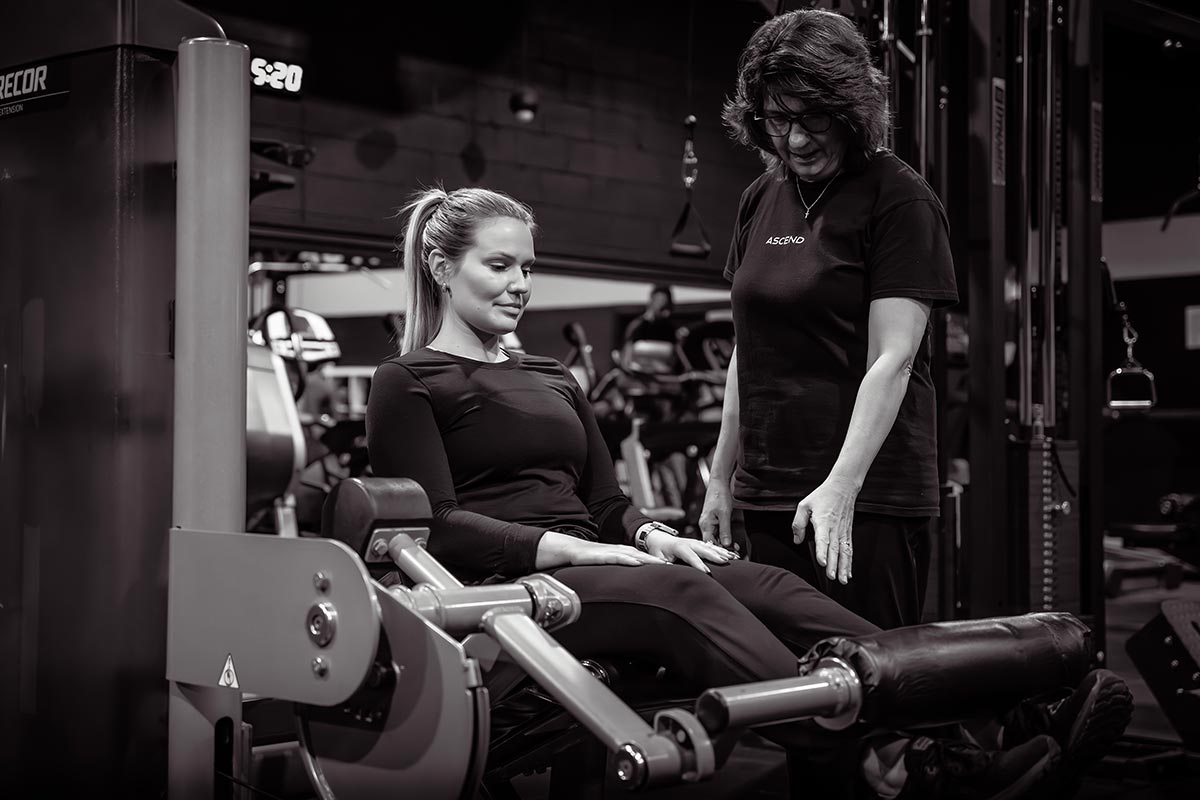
692	552
560	550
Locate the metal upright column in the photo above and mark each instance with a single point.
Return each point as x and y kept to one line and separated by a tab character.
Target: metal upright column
887	42
1084	188
924	79
212	239
1048	223
985	549
1027	256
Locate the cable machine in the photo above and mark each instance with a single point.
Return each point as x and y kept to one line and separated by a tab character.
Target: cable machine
1009	94
1033	138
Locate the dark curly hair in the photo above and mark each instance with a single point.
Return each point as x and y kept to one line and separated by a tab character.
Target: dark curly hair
820	58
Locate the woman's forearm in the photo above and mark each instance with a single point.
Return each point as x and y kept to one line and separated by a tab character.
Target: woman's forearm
725	453
875	408
554	550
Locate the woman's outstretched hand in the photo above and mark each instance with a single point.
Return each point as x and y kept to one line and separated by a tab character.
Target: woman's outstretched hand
715	516
830	510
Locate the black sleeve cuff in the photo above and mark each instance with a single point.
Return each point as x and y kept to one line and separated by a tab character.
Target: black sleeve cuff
520	550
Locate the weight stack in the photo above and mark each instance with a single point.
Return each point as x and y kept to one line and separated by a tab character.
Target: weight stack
1046	523
1167	654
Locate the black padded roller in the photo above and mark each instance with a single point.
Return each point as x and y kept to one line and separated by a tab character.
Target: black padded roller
948	671
358	506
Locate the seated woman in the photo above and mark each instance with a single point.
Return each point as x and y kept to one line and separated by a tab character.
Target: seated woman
519	479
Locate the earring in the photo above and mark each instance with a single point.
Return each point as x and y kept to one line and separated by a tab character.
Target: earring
446	289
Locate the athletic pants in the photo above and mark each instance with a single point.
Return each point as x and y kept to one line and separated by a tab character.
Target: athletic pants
891	562
743	622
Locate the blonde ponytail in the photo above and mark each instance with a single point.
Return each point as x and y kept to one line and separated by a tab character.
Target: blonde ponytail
423	305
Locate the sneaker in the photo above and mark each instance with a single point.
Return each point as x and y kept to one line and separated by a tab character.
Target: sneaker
942	769
1086	724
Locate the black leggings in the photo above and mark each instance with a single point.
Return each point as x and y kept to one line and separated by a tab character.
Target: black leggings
891	562
744	622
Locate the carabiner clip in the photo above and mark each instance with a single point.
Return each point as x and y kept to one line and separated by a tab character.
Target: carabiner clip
689	170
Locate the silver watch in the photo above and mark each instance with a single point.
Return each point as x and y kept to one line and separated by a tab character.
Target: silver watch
639	539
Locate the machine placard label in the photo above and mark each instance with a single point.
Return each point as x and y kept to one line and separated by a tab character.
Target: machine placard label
35	87
1097	145
228	674
999	164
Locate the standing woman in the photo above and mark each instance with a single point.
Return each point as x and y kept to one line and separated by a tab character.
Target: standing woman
840	251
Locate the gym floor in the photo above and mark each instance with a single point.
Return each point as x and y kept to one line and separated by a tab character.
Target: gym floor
1147	768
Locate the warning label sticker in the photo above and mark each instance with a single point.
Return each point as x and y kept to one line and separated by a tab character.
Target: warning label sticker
228	674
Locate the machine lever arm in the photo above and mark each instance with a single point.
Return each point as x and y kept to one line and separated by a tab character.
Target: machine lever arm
517	617
832	693
414	561
645	757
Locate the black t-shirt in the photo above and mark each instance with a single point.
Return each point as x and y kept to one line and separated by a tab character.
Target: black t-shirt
504	452
801	294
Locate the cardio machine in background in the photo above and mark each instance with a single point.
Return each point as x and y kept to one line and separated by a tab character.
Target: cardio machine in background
660	410
308	413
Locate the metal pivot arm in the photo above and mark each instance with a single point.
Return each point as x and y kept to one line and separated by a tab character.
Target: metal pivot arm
677	748
832	694
458	609
517	616
405	547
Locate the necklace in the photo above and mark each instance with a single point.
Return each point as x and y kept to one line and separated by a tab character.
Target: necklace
808	207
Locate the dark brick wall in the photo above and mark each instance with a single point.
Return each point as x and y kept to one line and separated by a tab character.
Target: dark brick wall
601	162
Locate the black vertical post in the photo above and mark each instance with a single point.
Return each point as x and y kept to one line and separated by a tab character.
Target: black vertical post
1084	301
985	552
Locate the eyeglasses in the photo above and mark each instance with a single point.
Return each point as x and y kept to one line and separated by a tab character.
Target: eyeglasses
781	124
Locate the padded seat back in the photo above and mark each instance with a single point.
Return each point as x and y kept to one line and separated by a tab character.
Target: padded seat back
358	506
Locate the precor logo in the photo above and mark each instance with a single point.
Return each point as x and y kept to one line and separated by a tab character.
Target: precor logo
23	82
